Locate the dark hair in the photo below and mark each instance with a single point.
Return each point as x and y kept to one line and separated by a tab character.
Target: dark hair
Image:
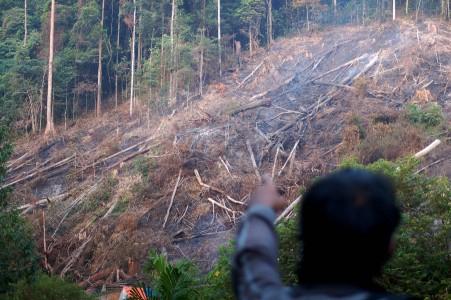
346	224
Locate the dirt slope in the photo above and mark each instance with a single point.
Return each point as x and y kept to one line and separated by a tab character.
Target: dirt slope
110	181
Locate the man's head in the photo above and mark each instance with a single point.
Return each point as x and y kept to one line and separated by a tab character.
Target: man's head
346	225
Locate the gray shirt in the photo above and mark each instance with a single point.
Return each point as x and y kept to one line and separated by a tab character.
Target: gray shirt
255	268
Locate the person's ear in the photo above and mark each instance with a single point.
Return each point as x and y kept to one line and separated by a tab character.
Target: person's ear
391	247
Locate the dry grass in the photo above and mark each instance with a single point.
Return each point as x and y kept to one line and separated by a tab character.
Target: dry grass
390	141
422	96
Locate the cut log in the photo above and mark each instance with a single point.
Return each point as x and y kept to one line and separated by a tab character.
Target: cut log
201	183
368	66
74	256
288	210
172	199
289	157
352	61
252	105
428	149
254	164
75	203
221	206
39	172
250	75
27	207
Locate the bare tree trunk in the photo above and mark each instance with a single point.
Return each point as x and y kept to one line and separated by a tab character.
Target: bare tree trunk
308	21
99	69
171	72
407	7
25	23
41	100
418	10
132	79
335	8
219	39
269	21
251	50
394	10
201	63
139	62
50	127
116	88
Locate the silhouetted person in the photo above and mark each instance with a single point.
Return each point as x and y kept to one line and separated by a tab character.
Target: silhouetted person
347	221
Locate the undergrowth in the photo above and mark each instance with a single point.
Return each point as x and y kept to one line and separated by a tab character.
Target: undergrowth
48	288
428	116
420	267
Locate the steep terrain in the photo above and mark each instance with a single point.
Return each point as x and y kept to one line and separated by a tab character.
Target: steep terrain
116	187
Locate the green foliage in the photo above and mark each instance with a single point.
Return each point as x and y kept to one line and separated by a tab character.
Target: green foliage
47	288
101	196
289	250
18	255
250	11
177	281
121	206
5	152
142	166
219	279
428	116
421	265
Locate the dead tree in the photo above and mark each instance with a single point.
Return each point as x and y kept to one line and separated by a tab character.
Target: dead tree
99	69
50	127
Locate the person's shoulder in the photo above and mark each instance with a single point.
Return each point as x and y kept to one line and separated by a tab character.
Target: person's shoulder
341	293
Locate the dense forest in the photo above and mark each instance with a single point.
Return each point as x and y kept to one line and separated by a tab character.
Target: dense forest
60	59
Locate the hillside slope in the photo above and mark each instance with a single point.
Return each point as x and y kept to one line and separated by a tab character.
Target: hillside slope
107	183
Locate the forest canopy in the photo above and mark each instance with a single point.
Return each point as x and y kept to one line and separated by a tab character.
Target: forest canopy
160	52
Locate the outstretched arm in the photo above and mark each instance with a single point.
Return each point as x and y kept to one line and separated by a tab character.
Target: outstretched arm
255	268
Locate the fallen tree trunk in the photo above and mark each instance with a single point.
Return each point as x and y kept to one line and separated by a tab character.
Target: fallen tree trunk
27	207
40	171
250	75
288	210
428	149
74	256
265	103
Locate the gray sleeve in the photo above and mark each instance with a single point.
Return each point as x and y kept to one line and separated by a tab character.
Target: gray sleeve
255	268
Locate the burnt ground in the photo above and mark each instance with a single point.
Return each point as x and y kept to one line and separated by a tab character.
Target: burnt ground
106	184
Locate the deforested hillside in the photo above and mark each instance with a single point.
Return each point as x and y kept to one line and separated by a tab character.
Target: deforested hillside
112	188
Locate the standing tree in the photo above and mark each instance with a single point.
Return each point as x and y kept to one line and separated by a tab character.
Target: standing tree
250	13
219	39
269	21
118	39
132	46
99	69
394	10
50	127
172	64
25	23
308	4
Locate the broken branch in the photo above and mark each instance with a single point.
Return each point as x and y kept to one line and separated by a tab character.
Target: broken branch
172	199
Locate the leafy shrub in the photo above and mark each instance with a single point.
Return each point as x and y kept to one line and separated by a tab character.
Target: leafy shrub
219	279
100	196
5	152
142	166
181	280
18	255
289	252
429	116
421	265
48	288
